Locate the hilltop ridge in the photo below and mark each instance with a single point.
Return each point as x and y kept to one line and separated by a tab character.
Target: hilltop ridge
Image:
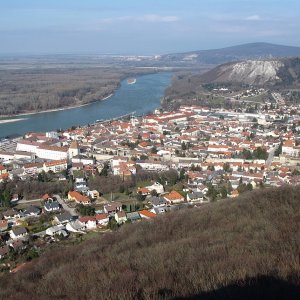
234	53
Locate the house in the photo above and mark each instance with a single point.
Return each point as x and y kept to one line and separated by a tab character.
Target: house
133	216
75	226
57	229
195	197
159	210
90	222
146	214
3	225
63	218
78	198
143	191
4	250
173	197
18	233
11	214
55	166
112	207
51	206
31	211
102	219
80	185
157	201
94	194
159	188
120	217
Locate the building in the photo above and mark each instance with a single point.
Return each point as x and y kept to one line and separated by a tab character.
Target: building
159	188
133	216
78	198
102	219
57	229
63	218
120	217
112	207
56	166
173	197
195	197
90	222
52	152
18	233
73	149
75	226
51	206
146	214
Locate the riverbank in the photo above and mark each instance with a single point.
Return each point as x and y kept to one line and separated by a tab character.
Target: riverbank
11	120
50	110
142	97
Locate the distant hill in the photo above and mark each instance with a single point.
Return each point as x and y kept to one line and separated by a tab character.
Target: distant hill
243	248
277	72
234	53
274	74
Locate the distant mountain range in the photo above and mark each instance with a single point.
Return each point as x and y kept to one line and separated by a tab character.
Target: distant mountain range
234	53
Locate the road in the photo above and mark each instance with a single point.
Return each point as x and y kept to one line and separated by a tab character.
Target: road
271	155
72	211
28	201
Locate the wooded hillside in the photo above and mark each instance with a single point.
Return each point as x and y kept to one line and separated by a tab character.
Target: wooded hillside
246	248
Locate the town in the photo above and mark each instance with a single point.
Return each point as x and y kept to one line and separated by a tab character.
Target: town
64	186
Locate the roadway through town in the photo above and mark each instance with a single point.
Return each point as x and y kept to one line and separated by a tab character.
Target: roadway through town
71	210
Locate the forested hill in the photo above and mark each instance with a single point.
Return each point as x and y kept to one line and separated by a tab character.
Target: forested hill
246	248
234	53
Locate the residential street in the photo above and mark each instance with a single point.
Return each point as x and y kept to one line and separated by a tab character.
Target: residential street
72	211
271	155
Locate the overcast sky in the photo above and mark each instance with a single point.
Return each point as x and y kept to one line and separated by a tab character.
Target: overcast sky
144	26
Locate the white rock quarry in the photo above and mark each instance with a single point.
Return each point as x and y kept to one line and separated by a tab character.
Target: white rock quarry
250	72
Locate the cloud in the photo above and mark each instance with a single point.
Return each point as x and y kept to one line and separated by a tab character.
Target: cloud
158	19
254	18
144	18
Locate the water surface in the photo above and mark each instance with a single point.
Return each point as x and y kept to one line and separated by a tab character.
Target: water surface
142	97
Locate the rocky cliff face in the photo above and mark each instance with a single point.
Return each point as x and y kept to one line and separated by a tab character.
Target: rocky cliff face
254	72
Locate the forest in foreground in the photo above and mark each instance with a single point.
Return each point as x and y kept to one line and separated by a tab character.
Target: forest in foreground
246	248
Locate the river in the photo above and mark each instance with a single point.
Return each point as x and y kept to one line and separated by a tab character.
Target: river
142	97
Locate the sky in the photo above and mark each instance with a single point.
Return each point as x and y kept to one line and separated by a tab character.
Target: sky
143	26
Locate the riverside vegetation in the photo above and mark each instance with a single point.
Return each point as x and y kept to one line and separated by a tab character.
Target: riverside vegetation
246	248
37	89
